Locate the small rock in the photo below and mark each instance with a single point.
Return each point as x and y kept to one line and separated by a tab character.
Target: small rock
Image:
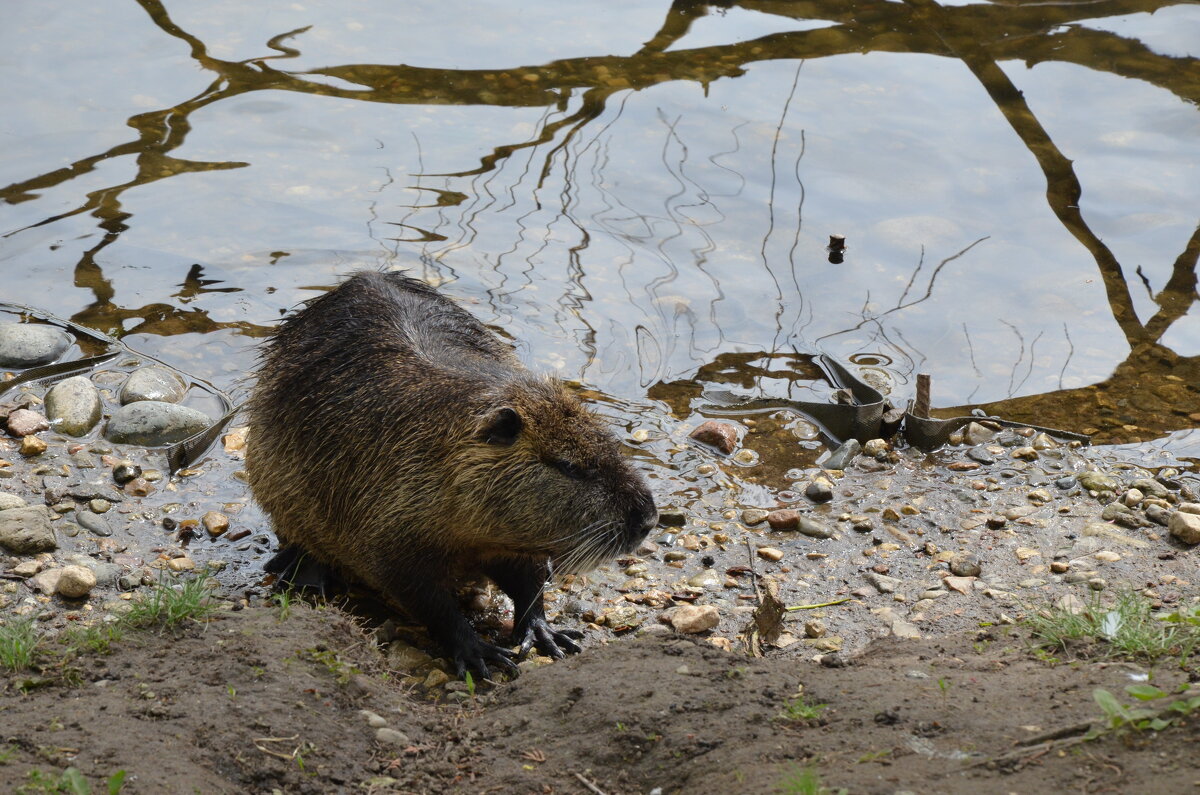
981	455
10	501
27	568
882	583
961	584
152	383
706	579
974	434
903	629
153	423
436	678
1043	442
754	516
126	471
1098	481
396	739
99	505
1025	553
1039	496
770	553
31	446
73	406
75	582
1060	567
1158	514
373	720
721	435
1151	487
786	519
814	628
814	528
138	487
46	581
1106	556
841	457
820	490
965	565
94	522
1071	604
1183	526
875	448
1024	453
1097	583
1066	482
24	422
26	531
1133	497
183	563
215	523
692	619
29	344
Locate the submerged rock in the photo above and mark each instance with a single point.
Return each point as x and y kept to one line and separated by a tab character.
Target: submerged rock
153	383
720	435
842	456
73	406
30	344
153	423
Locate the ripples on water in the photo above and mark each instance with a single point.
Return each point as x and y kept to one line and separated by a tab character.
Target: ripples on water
643	196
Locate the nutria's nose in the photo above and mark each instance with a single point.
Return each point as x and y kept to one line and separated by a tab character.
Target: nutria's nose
641	520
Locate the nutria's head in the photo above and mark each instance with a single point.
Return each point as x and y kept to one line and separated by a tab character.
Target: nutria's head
542	476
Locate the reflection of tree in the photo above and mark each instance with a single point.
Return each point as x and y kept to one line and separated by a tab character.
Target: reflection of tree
980	35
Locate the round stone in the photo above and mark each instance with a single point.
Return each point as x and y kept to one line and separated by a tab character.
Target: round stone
153	383
153	423
75	582
73	406
30	344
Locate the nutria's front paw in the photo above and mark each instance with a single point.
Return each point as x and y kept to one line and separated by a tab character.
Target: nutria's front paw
554	643
479	656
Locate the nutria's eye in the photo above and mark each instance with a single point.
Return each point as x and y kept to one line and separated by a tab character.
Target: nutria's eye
503	427
572	471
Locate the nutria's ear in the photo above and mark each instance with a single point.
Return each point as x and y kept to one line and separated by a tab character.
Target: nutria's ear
503	427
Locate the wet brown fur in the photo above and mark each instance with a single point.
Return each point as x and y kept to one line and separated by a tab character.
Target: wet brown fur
385	442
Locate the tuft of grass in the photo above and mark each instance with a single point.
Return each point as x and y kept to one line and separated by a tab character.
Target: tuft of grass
70	781
806	781
1127	628
172	601
97	638
19	641
285	599
1120	717
798	709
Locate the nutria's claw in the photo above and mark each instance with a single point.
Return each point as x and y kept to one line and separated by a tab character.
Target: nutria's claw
551	642
479	656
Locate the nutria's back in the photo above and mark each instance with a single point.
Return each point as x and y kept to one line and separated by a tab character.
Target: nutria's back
398	439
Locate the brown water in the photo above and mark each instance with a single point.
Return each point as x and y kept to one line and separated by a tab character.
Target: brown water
642	194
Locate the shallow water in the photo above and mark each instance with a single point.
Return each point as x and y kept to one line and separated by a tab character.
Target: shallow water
641	194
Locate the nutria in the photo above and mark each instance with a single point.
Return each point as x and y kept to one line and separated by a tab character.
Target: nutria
398	440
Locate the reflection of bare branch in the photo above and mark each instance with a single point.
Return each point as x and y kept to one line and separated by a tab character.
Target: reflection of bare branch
900	304
1063	190
1179	292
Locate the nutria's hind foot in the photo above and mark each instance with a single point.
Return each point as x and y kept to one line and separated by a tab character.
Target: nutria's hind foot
299	571
476	654
556	643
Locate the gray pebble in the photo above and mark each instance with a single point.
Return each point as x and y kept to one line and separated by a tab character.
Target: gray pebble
813	528
392	737
841	457
95	523
981	455
965	566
